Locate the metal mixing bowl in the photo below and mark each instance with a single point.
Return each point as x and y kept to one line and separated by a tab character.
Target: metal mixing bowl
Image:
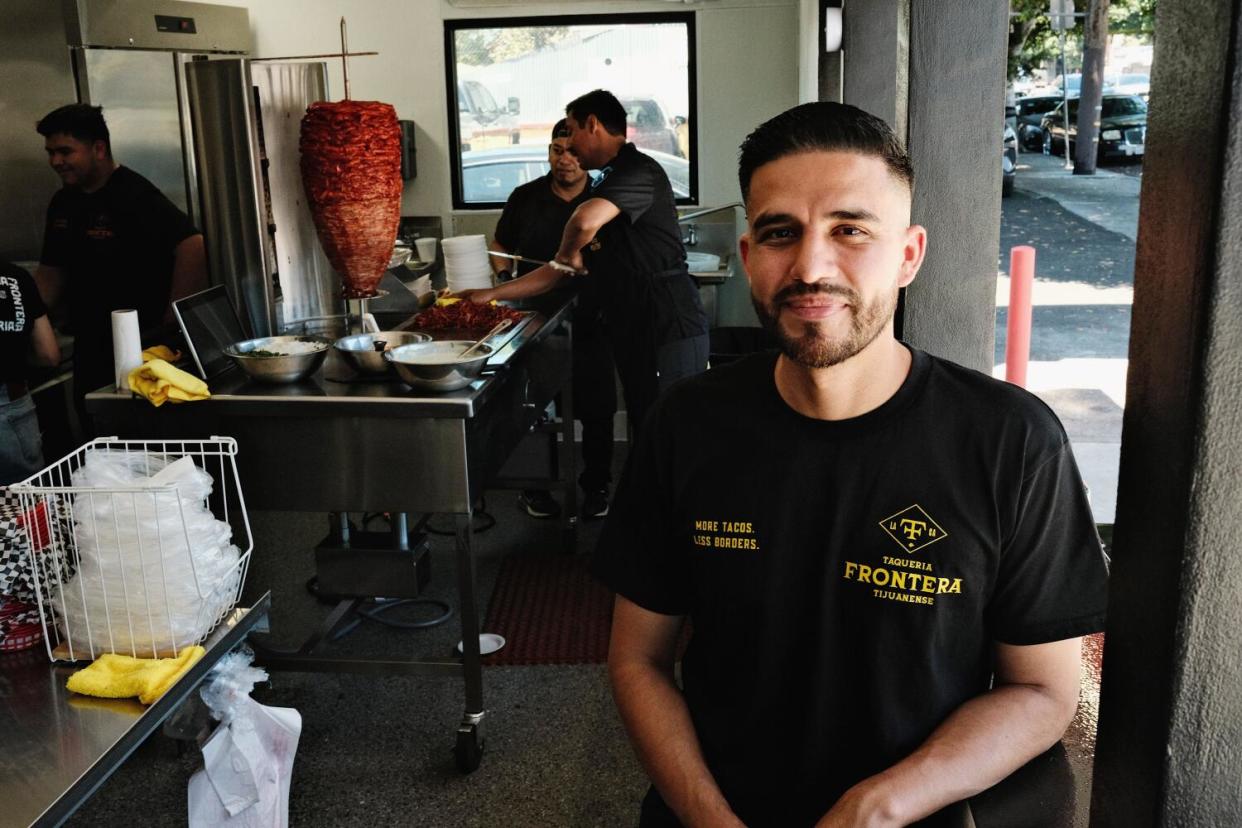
365	352
430	366
277	369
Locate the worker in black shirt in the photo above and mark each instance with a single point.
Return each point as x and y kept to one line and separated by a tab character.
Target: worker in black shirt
624	236
531	225
25	332
112	241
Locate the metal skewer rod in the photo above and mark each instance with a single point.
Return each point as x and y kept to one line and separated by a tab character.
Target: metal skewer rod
345	56
313	57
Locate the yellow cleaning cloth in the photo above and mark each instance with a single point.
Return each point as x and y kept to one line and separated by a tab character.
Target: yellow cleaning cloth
160	352
160	382
114	676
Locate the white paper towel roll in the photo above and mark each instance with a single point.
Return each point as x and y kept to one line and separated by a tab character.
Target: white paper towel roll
126	346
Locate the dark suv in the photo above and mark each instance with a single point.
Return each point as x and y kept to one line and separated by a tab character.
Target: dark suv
647	127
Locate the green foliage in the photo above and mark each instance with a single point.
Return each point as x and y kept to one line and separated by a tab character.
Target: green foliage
1033	43
483	47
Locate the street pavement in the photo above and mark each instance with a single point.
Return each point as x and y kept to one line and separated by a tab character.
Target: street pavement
1083	229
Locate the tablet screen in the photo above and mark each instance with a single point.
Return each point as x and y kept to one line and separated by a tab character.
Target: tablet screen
209	324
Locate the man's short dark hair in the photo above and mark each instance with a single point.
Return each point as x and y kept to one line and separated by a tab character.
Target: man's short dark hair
81	121
561	130
822	126
604	106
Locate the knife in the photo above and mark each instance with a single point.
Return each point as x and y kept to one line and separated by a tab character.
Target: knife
555	265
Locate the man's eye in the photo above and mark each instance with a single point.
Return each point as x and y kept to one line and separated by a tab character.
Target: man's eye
777	234
849	230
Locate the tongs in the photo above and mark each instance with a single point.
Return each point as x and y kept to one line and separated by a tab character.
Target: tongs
504	323
555	265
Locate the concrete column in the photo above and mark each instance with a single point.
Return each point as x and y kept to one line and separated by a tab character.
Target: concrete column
955	106
1170	737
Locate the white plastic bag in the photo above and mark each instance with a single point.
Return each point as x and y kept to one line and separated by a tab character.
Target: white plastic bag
140	587
248	761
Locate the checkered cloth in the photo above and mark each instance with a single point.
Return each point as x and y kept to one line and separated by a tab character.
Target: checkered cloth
20	626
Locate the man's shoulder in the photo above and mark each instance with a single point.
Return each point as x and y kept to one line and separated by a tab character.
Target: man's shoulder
531	190
127	183
983	402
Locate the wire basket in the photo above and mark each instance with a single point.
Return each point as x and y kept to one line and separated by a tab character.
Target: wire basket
131	549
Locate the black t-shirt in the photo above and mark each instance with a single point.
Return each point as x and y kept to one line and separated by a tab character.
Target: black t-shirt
116	247
638	256
846	579
533	222
20	306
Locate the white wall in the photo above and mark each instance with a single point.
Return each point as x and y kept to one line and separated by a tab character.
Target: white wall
747	70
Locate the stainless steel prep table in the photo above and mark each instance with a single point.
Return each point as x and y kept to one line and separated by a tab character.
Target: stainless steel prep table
57	748
327	446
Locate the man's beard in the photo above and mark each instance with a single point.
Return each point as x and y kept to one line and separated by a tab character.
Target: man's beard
809	346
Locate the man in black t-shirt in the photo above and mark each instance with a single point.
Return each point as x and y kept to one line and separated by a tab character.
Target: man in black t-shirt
887	560
531	225
112	241
624	237
24	333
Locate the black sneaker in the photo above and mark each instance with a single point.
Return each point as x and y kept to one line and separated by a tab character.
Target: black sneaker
595	504
539	504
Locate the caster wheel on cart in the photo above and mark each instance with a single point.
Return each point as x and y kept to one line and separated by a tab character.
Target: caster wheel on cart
469	748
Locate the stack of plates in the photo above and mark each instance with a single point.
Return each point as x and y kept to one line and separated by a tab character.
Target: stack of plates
465	263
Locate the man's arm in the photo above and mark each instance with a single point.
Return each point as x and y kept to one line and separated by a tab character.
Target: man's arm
51	283
189	274
538	281
586	221
640	664
1032	701
43	343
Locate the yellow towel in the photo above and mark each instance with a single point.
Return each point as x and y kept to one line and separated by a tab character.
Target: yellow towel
113	676
160	382
160	352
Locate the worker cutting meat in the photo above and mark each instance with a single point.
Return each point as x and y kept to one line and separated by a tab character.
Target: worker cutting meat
112	241
531	225
624	236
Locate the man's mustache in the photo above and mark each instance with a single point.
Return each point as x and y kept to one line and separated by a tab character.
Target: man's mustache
804	289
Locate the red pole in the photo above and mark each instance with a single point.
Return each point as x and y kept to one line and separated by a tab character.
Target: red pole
1018	336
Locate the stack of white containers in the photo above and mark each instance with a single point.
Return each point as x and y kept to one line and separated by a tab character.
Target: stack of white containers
466	265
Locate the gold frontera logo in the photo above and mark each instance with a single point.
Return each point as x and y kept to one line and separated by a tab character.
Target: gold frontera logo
912	528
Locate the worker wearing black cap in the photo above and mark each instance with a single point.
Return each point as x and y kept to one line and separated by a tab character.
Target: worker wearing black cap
624	236
531	225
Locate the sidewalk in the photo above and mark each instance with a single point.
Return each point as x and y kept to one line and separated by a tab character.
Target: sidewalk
1087	394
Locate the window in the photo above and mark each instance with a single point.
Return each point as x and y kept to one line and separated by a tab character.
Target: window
511	79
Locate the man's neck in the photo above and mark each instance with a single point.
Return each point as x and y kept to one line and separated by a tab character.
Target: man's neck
849	389
106	169
568	193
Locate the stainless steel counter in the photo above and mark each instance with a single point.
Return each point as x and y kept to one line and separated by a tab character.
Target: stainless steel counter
334	444
57	747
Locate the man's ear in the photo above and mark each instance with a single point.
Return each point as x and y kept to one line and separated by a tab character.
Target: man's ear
913	252
99	149
743	248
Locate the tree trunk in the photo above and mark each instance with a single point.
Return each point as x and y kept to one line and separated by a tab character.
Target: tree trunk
1094	52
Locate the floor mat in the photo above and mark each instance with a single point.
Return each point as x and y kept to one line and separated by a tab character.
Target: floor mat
550	611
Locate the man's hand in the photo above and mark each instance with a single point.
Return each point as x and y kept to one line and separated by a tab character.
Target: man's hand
573	262
479	296
859	807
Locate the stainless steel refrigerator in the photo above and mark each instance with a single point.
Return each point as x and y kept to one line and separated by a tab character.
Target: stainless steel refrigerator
217	132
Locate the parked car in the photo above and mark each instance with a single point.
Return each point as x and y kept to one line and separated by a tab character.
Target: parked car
481	123
1030	112
1131	84
1123	127
490	175
648	127
1009	161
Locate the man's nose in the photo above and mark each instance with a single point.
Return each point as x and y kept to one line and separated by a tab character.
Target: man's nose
815	259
